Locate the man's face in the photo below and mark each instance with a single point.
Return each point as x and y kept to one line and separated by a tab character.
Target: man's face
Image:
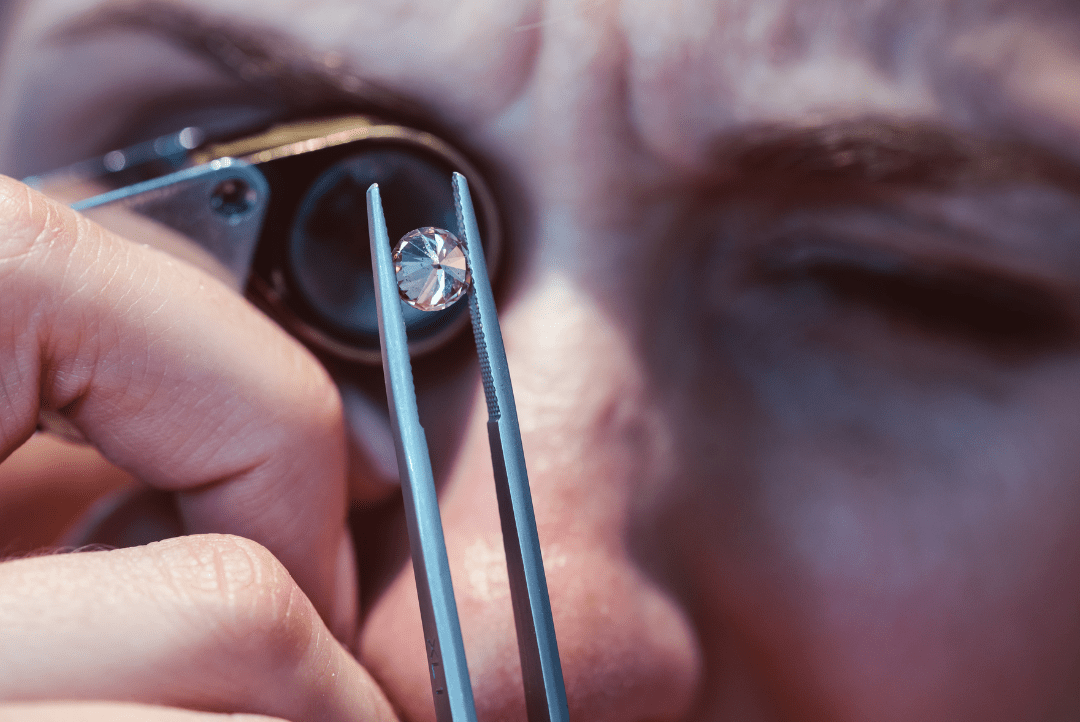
792	319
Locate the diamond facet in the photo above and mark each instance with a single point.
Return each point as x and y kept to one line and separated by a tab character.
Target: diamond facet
432	271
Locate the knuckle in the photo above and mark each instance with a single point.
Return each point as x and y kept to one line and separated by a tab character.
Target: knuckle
238	595
46	249
30	222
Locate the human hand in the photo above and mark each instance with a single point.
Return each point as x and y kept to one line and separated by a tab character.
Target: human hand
176	380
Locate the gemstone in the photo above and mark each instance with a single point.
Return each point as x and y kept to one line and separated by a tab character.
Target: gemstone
432	270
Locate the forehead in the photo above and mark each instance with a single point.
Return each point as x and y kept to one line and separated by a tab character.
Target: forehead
1007	67
678	72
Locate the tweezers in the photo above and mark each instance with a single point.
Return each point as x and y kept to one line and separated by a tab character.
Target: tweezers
545	694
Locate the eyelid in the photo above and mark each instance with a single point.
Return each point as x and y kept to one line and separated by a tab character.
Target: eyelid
997	311
1025	232
793	260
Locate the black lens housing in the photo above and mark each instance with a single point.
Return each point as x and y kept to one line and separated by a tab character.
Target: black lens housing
312	267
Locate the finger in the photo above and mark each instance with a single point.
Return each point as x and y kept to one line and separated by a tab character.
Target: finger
180	382
114	712
208	622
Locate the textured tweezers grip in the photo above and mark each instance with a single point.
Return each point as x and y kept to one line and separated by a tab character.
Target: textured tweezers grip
450	685
474	314
545	695
485	363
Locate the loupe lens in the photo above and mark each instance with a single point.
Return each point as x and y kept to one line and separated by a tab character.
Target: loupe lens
313	266
328	246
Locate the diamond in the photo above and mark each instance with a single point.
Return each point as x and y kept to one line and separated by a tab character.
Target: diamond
432	271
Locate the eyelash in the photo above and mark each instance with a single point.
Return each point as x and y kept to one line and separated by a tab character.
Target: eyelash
998	315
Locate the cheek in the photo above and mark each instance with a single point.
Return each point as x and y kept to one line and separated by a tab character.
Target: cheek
875	544
946	581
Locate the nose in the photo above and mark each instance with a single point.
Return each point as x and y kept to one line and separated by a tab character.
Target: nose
591	444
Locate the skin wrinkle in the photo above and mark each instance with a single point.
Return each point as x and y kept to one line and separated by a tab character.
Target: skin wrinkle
93	239
42	242
47	247
22	368
240	588
69	357
584	61
13	425
166	566
312	648
893	35
77	338
239	573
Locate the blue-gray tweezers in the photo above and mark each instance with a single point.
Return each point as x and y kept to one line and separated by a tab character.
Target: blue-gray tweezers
545	695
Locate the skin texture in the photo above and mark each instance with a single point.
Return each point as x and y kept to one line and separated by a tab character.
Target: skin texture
768	486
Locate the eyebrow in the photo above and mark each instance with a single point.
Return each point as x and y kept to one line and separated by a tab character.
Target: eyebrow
260	58
883	152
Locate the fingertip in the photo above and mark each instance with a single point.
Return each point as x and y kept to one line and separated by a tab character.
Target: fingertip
215	618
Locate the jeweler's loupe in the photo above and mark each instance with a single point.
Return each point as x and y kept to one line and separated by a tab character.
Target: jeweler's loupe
283	213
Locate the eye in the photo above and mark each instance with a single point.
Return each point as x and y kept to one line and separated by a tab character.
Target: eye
994	312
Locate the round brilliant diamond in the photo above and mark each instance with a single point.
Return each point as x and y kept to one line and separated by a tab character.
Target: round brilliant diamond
432	270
